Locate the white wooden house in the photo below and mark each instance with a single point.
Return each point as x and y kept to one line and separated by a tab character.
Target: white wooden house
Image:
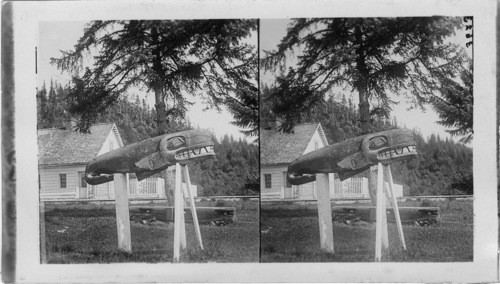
63	155
279	149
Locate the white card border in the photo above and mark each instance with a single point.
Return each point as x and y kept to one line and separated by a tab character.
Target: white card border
485	265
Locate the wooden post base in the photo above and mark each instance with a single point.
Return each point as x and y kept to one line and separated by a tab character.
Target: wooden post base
179	218
122	212
381	233
324	212
179	214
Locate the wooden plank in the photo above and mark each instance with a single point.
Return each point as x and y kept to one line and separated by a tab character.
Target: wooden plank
183	224
205	215
385	229
365	213
194	214
324	212
122	212
161	213
390	182
407	214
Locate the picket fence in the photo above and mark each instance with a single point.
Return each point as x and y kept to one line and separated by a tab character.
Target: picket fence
147	188
350	188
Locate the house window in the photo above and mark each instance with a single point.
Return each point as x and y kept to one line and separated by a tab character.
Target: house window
316	145
267	180
62	180
111	146
39	182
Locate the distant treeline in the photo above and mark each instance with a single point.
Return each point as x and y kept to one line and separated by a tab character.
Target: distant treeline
443	166
234	171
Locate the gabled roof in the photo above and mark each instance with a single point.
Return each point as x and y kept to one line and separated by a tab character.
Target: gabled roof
63	147
279	148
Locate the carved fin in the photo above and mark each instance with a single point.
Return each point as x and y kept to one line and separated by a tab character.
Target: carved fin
345	163
353	162
146	174
143	175
151	162
345	175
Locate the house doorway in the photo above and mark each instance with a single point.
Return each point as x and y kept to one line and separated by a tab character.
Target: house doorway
287	187
82	186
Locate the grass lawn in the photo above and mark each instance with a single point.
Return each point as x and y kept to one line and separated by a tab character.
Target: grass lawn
296	239
93	238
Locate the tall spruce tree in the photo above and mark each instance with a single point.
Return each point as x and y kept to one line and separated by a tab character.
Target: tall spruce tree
245	106
455	106
209	58
41	96
375	57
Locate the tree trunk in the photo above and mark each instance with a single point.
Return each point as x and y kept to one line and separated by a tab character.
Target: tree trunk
364	105
161	112
364	111
361	82
161	122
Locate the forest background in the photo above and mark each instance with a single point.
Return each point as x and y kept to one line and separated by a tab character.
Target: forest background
355	75
234	171
443	166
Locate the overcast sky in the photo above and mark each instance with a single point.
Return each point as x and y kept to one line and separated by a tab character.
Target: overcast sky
57	36
273	30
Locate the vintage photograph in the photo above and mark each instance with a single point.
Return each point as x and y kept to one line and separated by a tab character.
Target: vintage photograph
250	141
366	139
147	140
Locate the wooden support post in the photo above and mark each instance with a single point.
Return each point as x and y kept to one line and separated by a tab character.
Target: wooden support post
372	184
183	223
385	230
178	212
122	212
381	235
324	212
187	180
395	206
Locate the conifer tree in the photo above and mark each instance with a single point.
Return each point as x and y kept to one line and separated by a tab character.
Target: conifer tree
373	56
455	106
207	58
42	107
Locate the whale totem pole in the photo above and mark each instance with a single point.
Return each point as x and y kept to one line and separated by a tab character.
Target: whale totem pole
348	158
146	158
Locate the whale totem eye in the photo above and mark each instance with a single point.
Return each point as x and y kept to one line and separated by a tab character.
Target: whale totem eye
175	142
377	142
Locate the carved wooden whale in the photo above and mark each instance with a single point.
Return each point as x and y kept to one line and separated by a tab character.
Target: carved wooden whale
151	156
353	156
